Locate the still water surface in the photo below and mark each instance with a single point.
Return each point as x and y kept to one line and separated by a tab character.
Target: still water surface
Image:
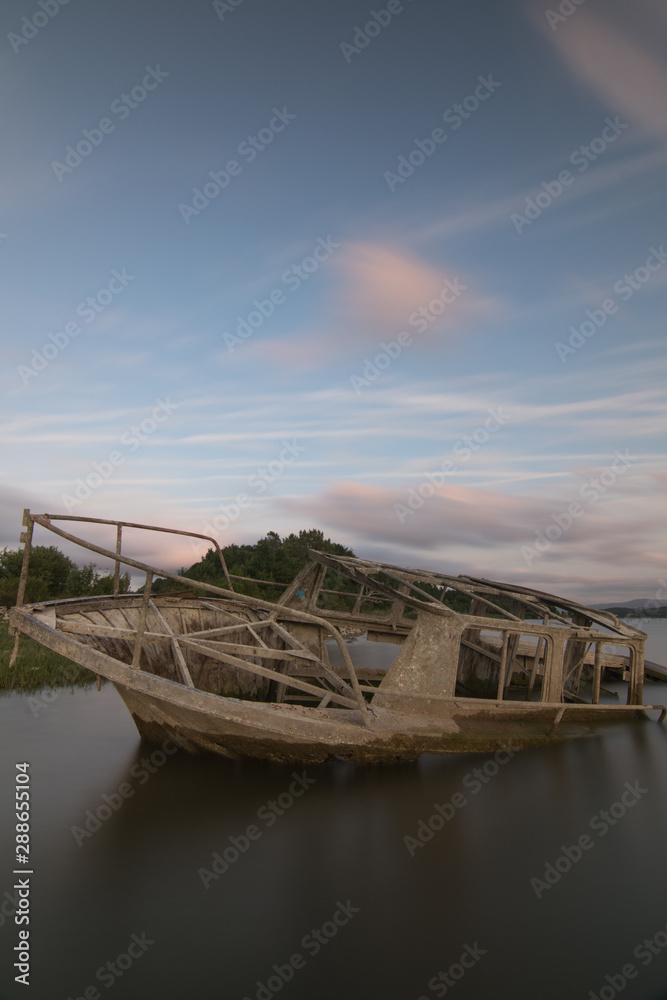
333	862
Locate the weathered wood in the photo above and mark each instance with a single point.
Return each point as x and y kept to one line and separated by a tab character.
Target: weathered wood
254	668
116	572
178	654
221	685
535	667
502	671
26	538
15	651
557	720
141	626
597	674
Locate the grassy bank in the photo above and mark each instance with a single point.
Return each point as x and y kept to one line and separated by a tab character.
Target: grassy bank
37	667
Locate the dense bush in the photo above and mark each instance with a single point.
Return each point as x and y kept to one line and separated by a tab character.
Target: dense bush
51	575
271	558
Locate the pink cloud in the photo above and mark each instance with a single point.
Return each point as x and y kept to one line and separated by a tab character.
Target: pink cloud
376	291
382	286
482	532
623	74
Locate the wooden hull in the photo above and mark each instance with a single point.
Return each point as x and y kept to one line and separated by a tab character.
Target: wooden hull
400	726
221	671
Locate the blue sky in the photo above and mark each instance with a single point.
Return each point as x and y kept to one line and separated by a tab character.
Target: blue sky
421	307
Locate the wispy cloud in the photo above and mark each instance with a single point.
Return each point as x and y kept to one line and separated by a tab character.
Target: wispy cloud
620	70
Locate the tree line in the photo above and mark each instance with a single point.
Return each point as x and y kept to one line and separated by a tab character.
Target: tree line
52	575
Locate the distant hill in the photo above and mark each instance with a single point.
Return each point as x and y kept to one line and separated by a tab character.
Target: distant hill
638	602
642	606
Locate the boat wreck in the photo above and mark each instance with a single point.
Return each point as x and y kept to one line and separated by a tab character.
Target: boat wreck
480	665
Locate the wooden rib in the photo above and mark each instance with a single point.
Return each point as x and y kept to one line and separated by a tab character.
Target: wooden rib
108	631
480	649
533	672
503	666
177	651
289	654
141	626
273	675
230	614
412	586
223	629
292	641
328	672
256	637
262	651
597	674
113	632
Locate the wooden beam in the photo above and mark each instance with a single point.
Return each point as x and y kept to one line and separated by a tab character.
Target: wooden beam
178	653
141	627
597	674
273	675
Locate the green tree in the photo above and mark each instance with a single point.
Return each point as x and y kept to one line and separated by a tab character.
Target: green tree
52	575
85	581
48	572
272	558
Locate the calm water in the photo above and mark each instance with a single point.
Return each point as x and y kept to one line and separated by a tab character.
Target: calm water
390	915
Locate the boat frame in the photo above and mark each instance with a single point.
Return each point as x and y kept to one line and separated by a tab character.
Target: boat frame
223	671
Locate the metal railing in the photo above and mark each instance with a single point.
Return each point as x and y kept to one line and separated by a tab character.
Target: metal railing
45	521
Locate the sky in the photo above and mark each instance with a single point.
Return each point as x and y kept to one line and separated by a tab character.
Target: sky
398	273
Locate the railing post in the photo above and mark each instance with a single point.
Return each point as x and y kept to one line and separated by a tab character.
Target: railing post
636	671
116	572
26	537
141	624
502	671
536	662
597	674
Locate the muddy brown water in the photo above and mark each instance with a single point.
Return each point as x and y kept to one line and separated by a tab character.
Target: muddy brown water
533	876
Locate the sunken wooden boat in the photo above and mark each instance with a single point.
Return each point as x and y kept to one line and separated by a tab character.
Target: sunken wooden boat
479	665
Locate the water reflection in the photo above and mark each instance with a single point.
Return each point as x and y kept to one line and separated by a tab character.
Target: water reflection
341	842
